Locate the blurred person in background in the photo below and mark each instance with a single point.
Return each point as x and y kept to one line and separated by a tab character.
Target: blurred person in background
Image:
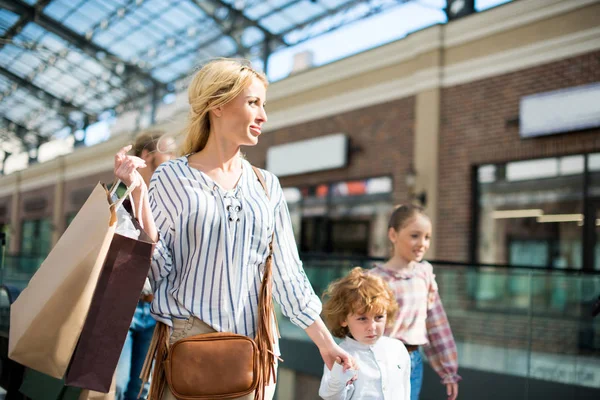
154	148
421	320
213	223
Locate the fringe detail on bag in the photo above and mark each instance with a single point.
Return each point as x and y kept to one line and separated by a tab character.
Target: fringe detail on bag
265	337
157	354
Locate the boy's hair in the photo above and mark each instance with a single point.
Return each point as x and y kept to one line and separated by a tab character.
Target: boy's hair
357	293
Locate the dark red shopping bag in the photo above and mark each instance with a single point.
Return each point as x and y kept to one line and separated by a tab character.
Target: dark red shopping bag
113	306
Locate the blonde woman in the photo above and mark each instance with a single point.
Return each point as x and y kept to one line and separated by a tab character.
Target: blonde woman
213	222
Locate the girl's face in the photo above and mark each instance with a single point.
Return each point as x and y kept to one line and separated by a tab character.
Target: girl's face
240	121
366	328
412	241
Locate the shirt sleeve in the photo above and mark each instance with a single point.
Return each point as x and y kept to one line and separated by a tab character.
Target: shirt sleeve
441	350
333	384
162	260
292	289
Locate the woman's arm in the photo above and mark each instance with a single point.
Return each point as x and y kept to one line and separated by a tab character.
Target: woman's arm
152	212
329	350
126	170
291	288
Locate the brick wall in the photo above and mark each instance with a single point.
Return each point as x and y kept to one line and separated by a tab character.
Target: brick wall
476	128
77	190
381	136
37	203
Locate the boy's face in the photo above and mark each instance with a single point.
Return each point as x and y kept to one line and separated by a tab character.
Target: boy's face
366	328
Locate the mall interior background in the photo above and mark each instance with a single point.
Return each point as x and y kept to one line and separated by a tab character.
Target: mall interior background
487	121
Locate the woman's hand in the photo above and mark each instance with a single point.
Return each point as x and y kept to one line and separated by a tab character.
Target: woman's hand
354	377
336	353
452	390
126	168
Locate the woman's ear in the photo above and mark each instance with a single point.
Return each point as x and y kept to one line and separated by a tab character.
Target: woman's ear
217	111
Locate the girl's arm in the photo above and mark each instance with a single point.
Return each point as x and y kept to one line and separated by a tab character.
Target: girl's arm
441	350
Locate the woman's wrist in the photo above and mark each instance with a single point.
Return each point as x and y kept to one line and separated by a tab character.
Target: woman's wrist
320	335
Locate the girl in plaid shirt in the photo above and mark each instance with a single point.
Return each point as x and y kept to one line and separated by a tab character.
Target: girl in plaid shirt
421	319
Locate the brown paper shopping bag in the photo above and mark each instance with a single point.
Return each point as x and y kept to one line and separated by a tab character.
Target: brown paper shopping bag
47	318
113	306
91	395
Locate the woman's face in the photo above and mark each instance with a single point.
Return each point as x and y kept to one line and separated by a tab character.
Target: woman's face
412	241
240	121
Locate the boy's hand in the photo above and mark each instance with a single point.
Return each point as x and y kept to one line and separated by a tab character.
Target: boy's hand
338	360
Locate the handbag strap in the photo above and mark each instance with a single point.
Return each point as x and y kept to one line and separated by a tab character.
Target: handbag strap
265	336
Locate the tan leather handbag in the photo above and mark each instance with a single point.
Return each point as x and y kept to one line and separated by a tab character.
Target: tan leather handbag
222	365
212	366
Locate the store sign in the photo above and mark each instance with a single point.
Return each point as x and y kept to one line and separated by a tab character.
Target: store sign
560	111
318	154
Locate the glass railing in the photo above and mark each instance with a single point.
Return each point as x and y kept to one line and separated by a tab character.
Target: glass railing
16	271
526	323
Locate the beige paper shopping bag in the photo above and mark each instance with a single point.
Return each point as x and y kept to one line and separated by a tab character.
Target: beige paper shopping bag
48	316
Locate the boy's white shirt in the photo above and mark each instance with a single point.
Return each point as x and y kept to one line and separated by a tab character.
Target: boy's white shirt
384	372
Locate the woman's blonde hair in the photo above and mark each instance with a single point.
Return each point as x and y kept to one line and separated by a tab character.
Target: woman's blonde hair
357	293
214	85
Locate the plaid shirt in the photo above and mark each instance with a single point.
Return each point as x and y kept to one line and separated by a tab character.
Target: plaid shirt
421	319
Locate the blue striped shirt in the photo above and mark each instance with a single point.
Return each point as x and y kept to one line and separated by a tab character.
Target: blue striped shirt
212	248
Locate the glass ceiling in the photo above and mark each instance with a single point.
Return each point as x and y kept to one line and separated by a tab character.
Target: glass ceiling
65	62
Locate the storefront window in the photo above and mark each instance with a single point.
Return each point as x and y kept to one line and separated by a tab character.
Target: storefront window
542	213
5	233
593	164
69	219
531	213
347	217
36	237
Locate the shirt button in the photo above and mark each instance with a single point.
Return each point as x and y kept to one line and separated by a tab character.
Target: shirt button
215	188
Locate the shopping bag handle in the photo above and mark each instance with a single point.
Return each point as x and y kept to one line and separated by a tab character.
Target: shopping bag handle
127	194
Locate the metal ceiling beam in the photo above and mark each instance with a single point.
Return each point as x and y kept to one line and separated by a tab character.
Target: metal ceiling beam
21	131
227	25
38	91
237	14
20	24
374	9
281	8
88	47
